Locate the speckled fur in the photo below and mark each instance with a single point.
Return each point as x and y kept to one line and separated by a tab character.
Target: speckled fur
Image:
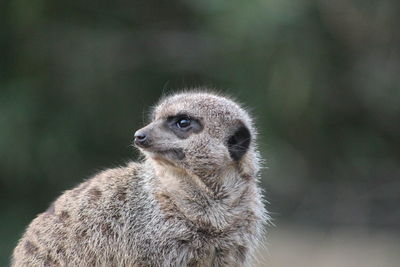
203	210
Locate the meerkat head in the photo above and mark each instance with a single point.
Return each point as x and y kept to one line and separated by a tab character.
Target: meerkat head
199	133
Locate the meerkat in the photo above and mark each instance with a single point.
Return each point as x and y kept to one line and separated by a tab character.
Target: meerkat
193	200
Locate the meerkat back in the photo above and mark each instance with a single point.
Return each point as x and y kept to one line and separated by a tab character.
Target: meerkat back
193	200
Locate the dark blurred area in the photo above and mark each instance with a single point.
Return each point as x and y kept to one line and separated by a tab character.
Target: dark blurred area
321	77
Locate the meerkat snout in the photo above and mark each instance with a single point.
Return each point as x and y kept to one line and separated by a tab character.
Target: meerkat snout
141	138
193	200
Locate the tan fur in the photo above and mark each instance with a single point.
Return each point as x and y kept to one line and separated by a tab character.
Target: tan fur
196	208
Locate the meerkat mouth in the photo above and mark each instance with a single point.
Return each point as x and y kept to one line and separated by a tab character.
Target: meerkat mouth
175	153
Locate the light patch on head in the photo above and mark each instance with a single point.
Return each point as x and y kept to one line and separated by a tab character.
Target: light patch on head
211	108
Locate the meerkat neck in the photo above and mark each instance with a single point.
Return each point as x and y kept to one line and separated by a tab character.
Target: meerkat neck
199	200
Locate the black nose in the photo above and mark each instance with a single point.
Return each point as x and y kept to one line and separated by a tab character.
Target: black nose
141	138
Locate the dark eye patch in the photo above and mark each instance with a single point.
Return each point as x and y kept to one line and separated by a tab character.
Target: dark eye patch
183	125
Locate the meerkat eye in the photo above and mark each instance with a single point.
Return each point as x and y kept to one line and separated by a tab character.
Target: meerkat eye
183	123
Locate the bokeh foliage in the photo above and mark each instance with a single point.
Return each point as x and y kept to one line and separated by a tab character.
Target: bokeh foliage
321	77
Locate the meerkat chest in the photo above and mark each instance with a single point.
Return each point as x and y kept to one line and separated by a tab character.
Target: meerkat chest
176	240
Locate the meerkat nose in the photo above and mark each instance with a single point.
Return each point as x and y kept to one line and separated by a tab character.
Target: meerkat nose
140	138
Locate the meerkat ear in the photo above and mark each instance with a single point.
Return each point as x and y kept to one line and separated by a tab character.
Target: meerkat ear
239	142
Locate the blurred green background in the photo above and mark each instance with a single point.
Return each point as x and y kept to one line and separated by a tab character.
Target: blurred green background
321	77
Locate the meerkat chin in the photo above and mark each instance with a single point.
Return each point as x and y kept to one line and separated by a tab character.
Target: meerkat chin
193	201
